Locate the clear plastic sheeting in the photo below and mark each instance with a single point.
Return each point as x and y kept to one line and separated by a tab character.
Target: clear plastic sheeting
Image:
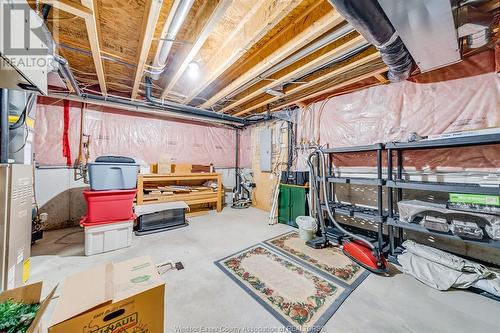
142	137
442	270
392	112
245	148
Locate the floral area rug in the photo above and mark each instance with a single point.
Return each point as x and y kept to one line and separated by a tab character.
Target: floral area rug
330	261
298	296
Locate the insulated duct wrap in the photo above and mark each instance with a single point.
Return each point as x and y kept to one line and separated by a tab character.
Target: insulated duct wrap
368	18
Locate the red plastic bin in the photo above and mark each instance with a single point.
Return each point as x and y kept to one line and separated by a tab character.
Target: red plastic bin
109	206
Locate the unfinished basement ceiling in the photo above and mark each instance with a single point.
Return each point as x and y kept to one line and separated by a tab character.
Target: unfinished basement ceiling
112	44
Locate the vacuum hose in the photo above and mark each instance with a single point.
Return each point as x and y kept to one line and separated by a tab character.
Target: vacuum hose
321	162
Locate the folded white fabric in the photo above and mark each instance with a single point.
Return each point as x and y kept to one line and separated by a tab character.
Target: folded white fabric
442	270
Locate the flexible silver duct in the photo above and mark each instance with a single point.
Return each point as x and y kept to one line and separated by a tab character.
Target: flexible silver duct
176	18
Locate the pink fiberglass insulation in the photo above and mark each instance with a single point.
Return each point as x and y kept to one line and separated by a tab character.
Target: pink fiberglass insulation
392	112
144	138
245	151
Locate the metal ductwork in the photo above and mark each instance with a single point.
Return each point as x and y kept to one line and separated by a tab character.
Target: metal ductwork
368	18
67	74
474	25
176	18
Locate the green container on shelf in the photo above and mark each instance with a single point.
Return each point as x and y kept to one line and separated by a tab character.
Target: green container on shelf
477	199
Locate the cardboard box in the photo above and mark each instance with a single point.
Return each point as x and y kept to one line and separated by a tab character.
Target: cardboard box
161	168
30	294
182	168
122	297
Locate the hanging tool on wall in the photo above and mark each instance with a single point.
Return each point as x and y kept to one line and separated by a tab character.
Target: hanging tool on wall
83	150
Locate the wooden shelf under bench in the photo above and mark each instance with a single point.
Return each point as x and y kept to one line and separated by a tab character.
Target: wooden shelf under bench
191	198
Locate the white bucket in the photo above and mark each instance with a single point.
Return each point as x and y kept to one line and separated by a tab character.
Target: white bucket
307	227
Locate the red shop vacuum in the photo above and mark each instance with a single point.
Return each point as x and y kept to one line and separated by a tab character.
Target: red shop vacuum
357	248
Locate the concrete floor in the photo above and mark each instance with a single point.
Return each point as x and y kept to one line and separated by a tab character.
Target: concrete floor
202	297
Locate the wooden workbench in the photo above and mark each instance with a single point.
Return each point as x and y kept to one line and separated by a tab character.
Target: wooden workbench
192	198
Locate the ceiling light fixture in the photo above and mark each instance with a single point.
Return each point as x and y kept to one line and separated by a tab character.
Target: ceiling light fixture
193	70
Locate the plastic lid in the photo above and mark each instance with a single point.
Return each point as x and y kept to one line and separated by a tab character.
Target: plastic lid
114	159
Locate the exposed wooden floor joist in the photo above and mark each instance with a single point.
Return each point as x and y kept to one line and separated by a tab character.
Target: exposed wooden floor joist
202	37
111	44
247	33
357	41
318	28
95	47
147	38
341	70
332	90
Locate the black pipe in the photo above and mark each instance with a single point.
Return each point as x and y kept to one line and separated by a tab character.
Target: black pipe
4	125
290	146
186	109
369	19
45	11
237	162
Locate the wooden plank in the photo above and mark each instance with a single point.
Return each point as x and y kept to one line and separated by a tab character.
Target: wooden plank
215	17
200	212
147	38
317	28
188	176
219	193
70	7
327	76
381	78
140	191
333	89
91	24
306	67
257	22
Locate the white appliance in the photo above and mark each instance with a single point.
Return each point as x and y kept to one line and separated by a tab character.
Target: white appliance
16	189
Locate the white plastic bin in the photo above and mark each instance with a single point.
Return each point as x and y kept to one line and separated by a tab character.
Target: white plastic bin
307	227
108	237
112	176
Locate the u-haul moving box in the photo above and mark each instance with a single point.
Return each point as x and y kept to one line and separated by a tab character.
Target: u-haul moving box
125	297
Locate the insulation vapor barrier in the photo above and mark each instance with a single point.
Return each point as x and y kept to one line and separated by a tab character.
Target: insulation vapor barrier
142	137
245	148
392	112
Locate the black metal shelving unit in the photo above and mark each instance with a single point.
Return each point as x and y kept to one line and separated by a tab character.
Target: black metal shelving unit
375	215
398	184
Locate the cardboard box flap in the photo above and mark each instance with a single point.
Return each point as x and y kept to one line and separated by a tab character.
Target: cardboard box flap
43	306
28	294
102	284
83	291
133	277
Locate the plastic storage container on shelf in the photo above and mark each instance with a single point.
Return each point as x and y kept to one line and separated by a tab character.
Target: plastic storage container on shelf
109	206
113	173
108	237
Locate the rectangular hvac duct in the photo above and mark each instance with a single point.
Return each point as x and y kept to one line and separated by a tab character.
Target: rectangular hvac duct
427	28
